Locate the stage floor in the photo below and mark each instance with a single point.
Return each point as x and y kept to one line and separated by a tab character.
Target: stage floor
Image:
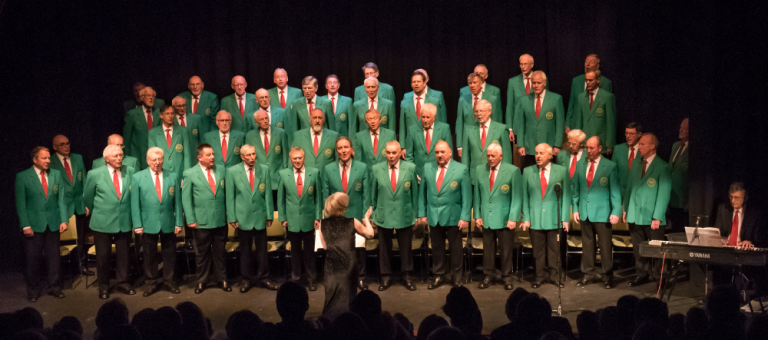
217	305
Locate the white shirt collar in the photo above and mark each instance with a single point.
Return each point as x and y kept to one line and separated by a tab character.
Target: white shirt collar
111	169
167	127
222	134
483	87
649	159
349	163
543	93
246	166
487	124
237	97
431	127
262	132
397	166
302	170
330	96
38	171
547	168
374	99
153	173
423	94
61	158
314	100
446	165
312	133
205	170
377	131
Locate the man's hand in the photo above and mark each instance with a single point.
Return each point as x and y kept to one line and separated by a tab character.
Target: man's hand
317	225
521	151
525	225
267	223
192	225
285	224
479	222
609	151
511	136
557	151
614	219
724	241
565	226
655	224
745	245
418	178
62	228
463	224
423	220
28	232
459	150
177	230
624	216
234	225
576	217
402	155
138	231
87	212
567	129
511	225
368	213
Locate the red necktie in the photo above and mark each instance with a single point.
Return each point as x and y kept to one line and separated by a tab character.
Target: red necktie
224	148
375	144
299	183
149	119
591	173
158	188
591	98
116	182
344	176
266	144
418	107
393	178
211	182
645	165
194	106
573	167
372	101
250	176
181	118
282	100
538	106
474	103
734	237
527	85
68	169
316	145
333	104
311	107
242	109
482	136
427	139
631	156
168	137
45	182
490	181
440	178
543	183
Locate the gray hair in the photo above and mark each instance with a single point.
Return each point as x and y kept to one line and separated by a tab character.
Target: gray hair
371	79
578	134
112	150
494	147
155	150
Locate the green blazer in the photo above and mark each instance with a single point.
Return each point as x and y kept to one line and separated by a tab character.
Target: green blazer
300	212
73	190
501	203
277	158
600	120
249	208
679	169
358	187
276	118
36	209
646	198
384	106
398	209
621	158
207	108
109	214
386	91
454	200
135	134
363	146
577	88
416	146
602	199
341	120
548	128
490	89
542	212
195	133
274	97
326	151
201	204
473	152
235	141
564	160
465	116
515	90
148	211
240	123
179	157
131	104
127	161
408	115
297	116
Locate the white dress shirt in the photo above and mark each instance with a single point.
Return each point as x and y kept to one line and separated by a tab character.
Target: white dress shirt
319	138
530	81
594	94
153	178
223	135
494	173
741	219
648	161
38	171
263	134
589	163
378	133
633	150
578	157
111	176
546	171
431	132
314	104
341	169
334	101
193	101
205	173
375	101
61	159
482	88
296	175
247	175
487	131
186	119
167	128
437	174
397	171
417	99
543	93
144	113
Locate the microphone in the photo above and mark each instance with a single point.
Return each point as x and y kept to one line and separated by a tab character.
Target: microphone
558	190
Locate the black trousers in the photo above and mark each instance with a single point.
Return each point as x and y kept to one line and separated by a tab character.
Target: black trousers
168	251
404	237
38	249
249	255
82	230
209	254
506	239
439	234
103	243
274	200
545	252
604	234
303	255
679	219
361	257
640	233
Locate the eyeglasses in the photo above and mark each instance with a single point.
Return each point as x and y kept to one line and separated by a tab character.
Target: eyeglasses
737	198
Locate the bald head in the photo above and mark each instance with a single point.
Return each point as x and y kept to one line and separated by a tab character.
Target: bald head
61	145
195	85
115	140
443	153
280	77
179	105
262	98
526	64
224	121
482	71
239	84
261	118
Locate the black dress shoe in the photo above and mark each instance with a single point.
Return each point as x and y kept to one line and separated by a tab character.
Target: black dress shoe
57	294
362	285
103	295
200	288
458	283
384	285
409	285
608	284
435	283
126	291
639	281
86	272
487	282
245	286
269	284
583	282
536	284
173	288
509	286
32	298
225	286
152	289
312	286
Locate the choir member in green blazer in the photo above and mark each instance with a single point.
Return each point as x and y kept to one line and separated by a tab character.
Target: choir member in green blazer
370	143
519	86
395	197
386	91
445	203
539	119
275	113
571	158
73	174
678	199
299	207
424	136
201	103
340	117
42	212
204	199
317	141
540	212
138	122
282	95
192	123
115	139
157	217
498	198
240	105
107	198
225	141
596	197
271	147
477	138
465	116
131	104
645	204
579	85
626	153
384	106
485	87
413	102
250	209
595	112
173	140
352	178
297	116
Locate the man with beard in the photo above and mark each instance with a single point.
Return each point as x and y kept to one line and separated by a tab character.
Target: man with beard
317	141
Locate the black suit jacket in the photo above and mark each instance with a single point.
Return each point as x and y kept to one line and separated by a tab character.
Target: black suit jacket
750	226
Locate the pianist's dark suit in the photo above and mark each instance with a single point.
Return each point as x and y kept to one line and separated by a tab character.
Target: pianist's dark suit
750	227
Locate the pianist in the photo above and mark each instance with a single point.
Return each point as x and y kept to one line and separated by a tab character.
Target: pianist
740	227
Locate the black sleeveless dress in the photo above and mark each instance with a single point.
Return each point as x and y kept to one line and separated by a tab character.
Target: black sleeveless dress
340	265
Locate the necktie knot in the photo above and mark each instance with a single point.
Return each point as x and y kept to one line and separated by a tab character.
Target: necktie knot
250	168
281	91
392	167
298	171
344	165
310	102
373	133
418	98
167	130
427	128
196	97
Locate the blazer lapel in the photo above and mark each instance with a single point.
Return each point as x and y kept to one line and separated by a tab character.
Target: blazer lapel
38	183
204	178
446	178
125	181
554	176
324	142
499	176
